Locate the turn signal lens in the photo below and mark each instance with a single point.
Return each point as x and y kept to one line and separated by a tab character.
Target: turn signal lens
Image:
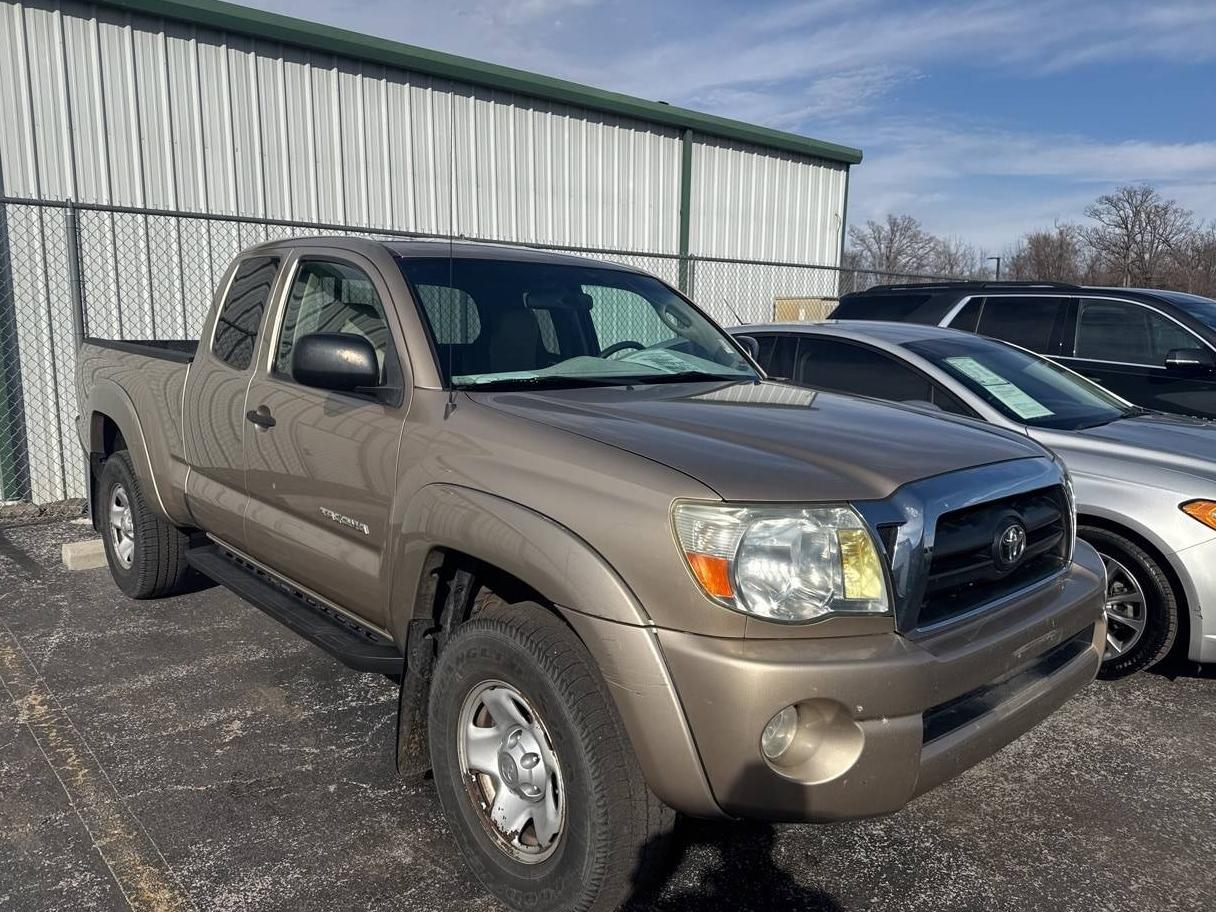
863	577
1202	510
713	573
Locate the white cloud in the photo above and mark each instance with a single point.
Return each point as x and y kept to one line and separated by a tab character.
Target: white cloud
990	186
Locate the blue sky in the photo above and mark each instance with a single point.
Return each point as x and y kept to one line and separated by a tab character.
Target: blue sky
982	118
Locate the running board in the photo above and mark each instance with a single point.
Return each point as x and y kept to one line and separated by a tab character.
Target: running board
351	644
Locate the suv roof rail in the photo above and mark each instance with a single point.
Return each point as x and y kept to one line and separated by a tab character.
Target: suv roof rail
966	283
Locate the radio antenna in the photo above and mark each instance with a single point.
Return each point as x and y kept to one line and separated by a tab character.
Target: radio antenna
451	292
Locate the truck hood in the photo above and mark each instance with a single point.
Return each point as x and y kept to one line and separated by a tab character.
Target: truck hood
1142	442
770	441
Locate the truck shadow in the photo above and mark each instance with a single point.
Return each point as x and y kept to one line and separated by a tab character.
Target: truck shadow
724	865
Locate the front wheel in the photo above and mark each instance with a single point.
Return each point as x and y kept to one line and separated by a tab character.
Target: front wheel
1141	605
536	776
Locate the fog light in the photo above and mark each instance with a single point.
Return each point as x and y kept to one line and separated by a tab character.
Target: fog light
779	733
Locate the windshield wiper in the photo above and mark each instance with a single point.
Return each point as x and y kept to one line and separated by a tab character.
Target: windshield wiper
545	381
692	376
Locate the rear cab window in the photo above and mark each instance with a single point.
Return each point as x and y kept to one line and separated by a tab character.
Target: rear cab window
236	328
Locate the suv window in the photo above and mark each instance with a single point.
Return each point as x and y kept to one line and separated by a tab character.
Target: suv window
1128	333
236	329
333	297
1024	321
896	307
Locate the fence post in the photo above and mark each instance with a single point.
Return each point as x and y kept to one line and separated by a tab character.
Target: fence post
71	234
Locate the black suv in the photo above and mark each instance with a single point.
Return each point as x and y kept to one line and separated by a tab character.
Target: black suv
1156	349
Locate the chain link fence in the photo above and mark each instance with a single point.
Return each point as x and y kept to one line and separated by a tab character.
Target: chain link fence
69	271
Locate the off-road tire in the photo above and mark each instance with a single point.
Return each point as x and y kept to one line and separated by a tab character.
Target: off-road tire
616	832
158	564
1162	604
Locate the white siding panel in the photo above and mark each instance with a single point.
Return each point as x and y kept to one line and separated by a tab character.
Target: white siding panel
757	204
158	113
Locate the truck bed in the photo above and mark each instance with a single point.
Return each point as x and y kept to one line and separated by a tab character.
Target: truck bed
180	350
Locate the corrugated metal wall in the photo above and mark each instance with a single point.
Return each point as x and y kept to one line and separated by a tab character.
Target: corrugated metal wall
751	203
103	106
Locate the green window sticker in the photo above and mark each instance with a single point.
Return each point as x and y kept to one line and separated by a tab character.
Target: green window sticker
1011	396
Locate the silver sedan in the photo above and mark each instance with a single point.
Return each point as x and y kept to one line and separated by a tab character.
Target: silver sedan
1145	481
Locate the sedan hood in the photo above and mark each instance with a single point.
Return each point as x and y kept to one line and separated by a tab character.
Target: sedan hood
1185	444
770	441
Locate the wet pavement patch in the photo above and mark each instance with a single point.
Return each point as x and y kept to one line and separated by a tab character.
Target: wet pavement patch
191	754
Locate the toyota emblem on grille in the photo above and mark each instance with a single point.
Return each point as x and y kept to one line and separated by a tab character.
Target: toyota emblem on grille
1010	546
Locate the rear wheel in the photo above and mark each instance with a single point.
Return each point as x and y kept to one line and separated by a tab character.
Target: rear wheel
146	553
1141	605
535	773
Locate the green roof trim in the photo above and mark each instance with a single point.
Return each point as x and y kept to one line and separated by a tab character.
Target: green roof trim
229	17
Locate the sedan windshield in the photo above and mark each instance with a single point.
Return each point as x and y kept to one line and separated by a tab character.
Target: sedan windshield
507	324
1024	387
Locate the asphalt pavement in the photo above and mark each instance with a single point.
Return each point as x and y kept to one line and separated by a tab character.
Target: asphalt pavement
192	754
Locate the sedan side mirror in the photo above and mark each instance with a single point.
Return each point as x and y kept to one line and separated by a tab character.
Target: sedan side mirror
1193	360
343	362
749	345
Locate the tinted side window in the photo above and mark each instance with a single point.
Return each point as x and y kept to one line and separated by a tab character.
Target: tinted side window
968	318
897	307
1126	332
328	297
842	367
777	354
1027	322
236	329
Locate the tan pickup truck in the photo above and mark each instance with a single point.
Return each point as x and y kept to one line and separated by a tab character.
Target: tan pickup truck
619	573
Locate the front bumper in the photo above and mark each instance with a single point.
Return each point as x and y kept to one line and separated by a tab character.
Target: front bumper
885	718
1196	566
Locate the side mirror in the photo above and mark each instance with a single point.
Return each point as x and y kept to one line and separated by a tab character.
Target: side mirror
344	362
749	345
1192	360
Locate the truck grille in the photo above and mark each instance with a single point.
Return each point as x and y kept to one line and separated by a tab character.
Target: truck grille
969	566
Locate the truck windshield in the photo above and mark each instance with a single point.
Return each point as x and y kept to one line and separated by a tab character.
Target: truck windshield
1029	389
501	324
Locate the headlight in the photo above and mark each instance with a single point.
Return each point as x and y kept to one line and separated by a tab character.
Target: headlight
783	564
1202	510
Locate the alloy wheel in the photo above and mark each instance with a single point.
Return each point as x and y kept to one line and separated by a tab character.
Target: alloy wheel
1126	609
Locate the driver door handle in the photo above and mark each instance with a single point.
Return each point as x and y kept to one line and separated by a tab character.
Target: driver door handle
261	417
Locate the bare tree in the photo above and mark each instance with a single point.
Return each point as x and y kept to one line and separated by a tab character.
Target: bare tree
955	258
1195	262
1136	233
1047	256
899	244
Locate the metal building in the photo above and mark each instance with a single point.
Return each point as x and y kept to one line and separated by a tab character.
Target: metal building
209	107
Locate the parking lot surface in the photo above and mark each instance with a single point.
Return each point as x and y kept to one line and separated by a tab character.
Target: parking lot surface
192	754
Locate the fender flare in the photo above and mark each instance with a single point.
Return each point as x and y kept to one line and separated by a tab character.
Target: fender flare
585	590
108	399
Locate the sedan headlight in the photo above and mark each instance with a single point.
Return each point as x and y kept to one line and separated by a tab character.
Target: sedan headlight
783	564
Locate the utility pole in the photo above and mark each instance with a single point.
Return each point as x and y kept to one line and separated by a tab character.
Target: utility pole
998	267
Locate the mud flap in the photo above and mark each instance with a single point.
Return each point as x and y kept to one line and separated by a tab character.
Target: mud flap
425	639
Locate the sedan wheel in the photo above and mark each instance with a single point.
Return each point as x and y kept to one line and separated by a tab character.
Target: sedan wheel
1126	609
